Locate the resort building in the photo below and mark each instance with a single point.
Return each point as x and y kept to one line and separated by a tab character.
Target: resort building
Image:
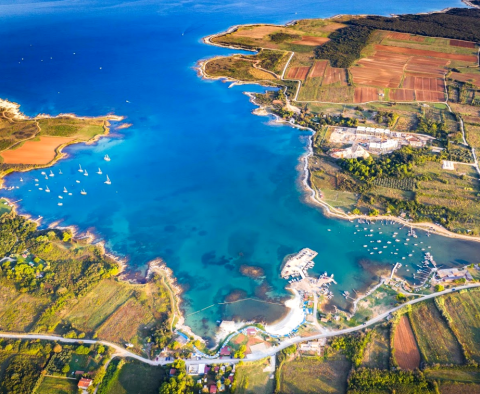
355	151
383	146
198	369
452	274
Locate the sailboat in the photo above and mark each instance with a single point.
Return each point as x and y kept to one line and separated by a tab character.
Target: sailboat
80	168
60	172
51	173
108	181
47	189
85	173
21	179
99	172
46	177
36	180
60	197
83	192
64	189
77	181
60	203
43	173
106	158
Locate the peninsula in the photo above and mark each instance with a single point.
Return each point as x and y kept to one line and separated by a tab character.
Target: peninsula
393	104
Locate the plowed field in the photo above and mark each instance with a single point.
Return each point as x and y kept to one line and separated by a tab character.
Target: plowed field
467	77
402	95
406	350
298	73
405	37
422	52
424	83
365	94
426	65
312	41
318	69
462	44
422	95
333	75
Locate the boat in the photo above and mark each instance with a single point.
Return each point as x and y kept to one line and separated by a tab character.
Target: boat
60	197
47	189
40	188
60	172
85	173
51	173
99	172
21	179
77	181
83	192
69	194
108	181
46	177
80	168
65	190
43	173
106	158
36	180
60	203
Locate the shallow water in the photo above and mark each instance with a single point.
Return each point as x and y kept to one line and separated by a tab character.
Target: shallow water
197	179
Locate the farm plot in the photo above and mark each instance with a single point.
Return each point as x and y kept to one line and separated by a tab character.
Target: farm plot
402	95
435	340
298	73
312	41
462	44
53	385
251	379
418	64
382	69
305	375
395	183
464	309
366	94
424	83
405	37
318	69
377	352
335	75
405	346
459	388
20	313
466	77
426	53
422	95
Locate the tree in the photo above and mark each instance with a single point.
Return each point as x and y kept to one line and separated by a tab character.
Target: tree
401	297
66	368
240	353
57	348
356	211
374	212
439	288
67	236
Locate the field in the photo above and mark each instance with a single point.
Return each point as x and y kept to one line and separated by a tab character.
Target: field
464	309
298	73
19	313
365	94
53	385
456	375
258	381
308	375
435	340
405	346
377	353
138	378
473	78
459	388
239	67
318	69
311	41
41	151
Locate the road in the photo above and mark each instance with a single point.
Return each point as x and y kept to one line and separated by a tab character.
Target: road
121	352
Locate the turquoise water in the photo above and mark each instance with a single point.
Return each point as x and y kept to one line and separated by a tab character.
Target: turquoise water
197	180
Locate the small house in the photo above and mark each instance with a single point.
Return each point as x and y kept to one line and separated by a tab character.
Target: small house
225	351
213	388
173	371
251	331
84	383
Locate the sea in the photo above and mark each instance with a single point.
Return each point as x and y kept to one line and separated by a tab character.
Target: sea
197	180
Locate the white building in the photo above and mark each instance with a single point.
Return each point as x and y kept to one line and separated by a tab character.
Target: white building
355	151
383	146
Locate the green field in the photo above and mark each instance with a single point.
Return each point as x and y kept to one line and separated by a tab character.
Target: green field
54	385
309	375
464	310
435	340
138	378
454	375
377	352
250	378
79	128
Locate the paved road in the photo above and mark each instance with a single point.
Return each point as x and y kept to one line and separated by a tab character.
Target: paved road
121	352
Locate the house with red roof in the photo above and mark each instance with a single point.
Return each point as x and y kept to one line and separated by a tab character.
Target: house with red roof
251	331
213	388
225	351
84	383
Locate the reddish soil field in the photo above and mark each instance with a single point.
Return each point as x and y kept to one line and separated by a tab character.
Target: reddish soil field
422	52
426	65
312	41
474	78
35	152
462	44
424	83
406	350
405	37
402	95
364	94
383	69
333	75
318	69
422	95
298	73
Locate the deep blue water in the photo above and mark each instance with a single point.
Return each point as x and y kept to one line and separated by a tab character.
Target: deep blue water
197	179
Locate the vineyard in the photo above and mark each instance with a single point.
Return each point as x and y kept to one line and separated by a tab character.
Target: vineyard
393	183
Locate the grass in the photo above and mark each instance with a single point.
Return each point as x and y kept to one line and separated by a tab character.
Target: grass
237	67
464	310
138	378
79	128
377	353
252	376
19	312
455	375
4	208
459	388
315	375
82	362
53	385
436	341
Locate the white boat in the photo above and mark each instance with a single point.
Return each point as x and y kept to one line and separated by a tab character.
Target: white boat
77	181
60	197
99	172
80	168
83	192
36	180
21	179
36	184
40	188
106	158
69	194
108	181
85	173
60	203
43	173
47	189
46	177
51	173
65	190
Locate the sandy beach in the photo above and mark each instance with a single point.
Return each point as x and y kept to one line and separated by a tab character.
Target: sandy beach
293	319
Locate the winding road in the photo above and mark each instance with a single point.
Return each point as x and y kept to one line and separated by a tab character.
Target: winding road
121	352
